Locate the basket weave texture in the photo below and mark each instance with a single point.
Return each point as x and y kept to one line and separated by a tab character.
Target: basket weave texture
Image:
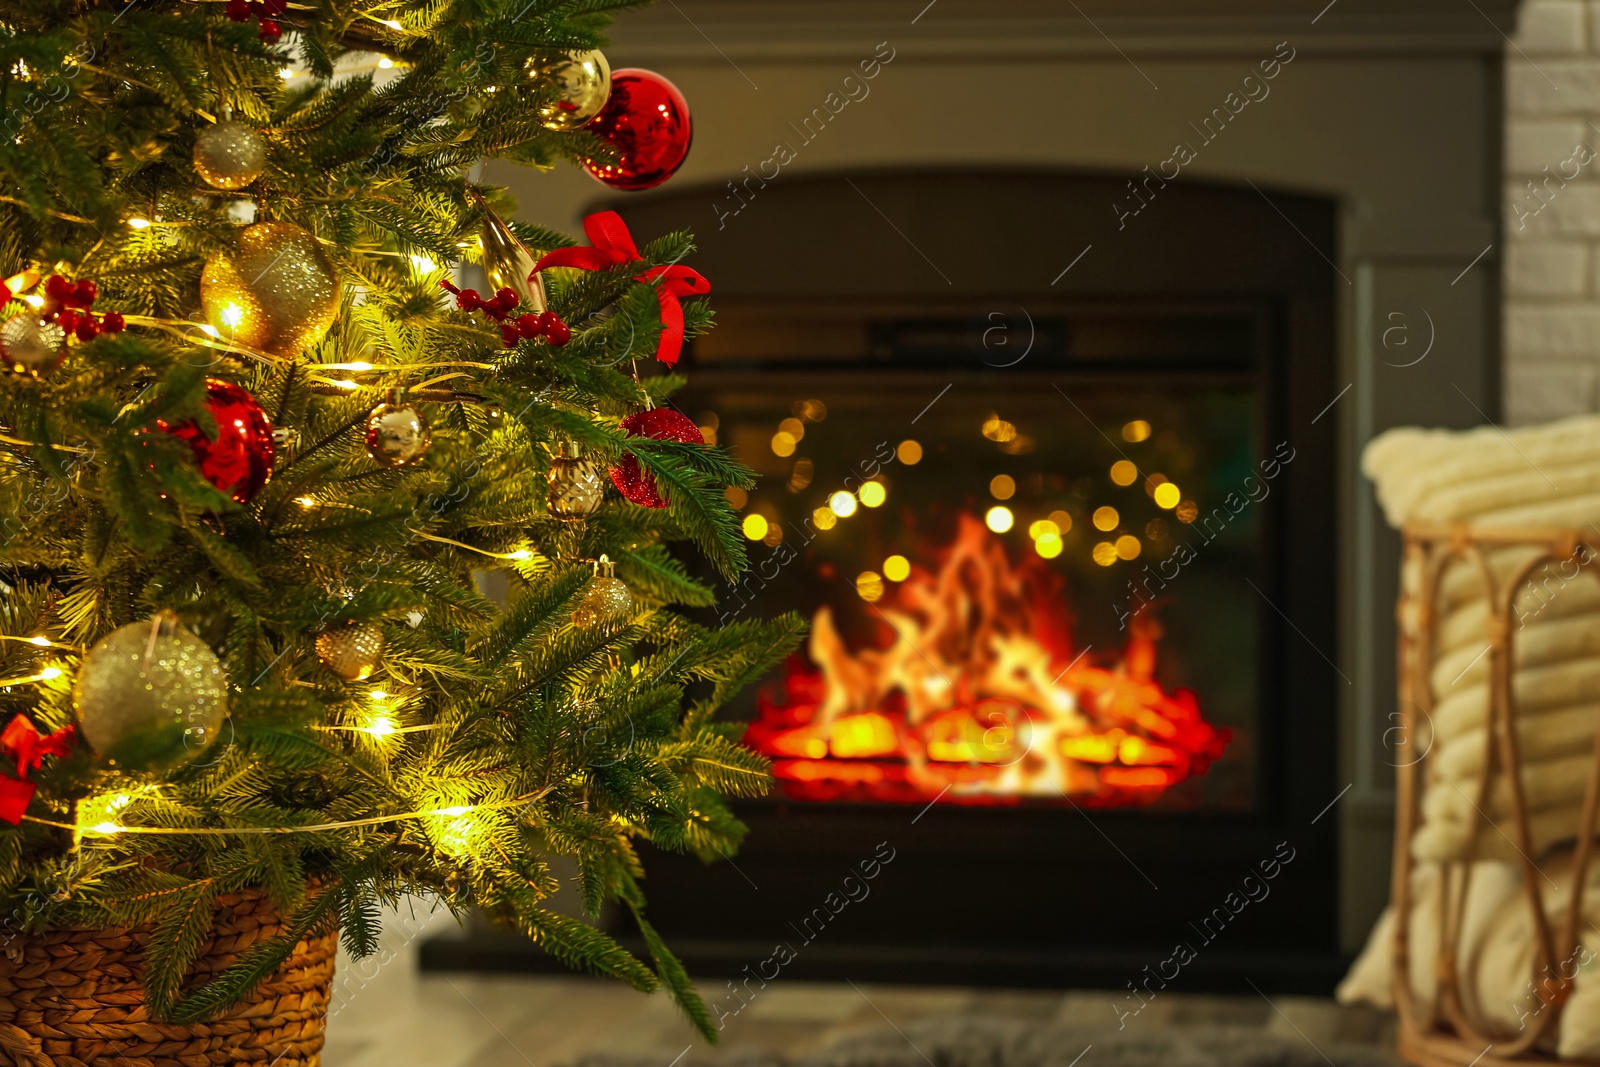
1445	1035
74	997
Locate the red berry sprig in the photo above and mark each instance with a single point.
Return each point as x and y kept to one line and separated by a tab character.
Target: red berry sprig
524	327
263	10
67	303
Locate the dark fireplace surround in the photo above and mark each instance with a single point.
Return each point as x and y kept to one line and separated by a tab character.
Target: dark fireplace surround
1037	894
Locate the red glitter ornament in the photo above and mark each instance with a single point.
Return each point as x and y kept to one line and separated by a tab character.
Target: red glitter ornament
239	460
662	424
646	120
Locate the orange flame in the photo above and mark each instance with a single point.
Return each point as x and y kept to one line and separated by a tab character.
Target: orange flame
979	697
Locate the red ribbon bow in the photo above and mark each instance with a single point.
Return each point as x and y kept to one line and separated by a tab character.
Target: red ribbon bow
22	741
612	246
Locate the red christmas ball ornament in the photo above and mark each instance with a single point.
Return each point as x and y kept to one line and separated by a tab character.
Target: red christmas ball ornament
238	460
646	120
662	424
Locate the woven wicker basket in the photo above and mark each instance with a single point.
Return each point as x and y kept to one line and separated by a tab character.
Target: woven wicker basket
1446	1037
73	997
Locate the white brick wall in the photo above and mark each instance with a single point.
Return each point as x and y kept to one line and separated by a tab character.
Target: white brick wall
1552	254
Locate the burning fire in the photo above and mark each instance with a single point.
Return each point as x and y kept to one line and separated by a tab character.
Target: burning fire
981	698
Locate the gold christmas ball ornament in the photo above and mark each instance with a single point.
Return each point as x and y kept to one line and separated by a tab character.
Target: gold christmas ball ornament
583	85
398	435
352	651
31	345
277	291
577	485
229	154
606	601
150	696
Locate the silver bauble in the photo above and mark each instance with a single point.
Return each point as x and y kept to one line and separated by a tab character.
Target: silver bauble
229	154
150	696
31	345
577	485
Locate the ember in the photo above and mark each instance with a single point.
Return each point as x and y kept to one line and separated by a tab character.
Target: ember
980	697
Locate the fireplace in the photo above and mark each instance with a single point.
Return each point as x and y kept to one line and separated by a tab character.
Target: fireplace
1048	526
983	268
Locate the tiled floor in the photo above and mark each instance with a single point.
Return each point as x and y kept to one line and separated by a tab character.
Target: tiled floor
386	1013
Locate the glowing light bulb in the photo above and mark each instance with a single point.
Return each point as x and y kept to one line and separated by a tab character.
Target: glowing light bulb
909	453
520	554
783	443
50	674
873	494
1167	495
869	586
1048	546
393	24
459	809
286	73
1128	547
824	519
139	224
999	519
378	694
40	640
897	568
35	301
107	828
1136	431
842	504
382	726
232	315
1040	527
1106	519
1123	472
1002	487
384	63
755	527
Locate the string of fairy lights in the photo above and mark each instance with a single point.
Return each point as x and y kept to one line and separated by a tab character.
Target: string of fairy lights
96	816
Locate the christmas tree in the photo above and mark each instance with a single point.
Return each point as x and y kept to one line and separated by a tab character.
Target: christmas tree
255	462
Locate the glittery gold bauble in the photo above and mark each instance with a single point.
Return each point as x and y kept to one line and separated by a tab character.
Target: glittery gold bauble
150	696
352	651
582	81
397	436
606	601
577	485
509	264
229	154
31	345
277	292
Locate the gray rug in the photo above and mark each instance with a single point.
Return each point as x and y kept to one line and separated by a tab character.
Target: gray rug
965	1041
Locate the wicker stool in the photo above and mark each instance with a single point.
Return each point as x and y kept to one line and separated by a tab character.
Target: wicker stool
74	998
1446	1037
